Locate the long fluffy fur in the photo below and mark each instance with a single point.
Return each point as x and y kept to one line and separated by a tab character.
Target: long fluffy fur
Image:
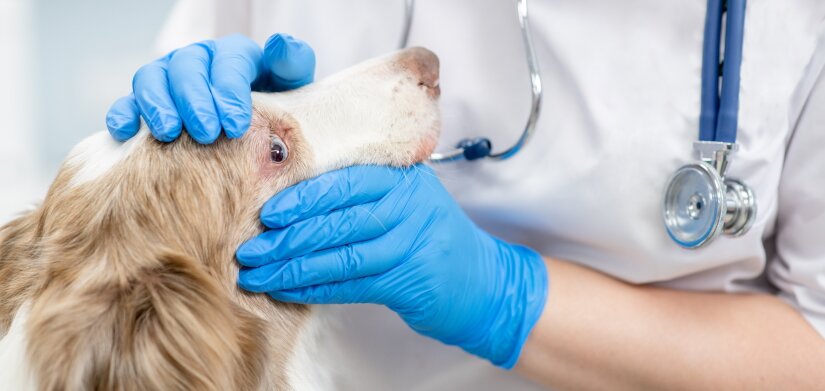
165	327
131	277
18	260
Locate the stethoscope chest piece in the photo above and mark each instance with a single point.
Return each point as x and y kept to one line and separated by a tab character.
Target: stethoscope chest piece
741	208
699	203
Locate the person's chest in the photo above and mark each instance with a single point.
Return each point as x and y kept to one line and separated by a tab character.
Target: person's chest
620	113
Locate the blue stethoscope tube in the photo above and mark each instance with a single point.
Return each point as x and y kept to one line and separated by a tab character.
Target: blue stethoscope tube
718	120
700	202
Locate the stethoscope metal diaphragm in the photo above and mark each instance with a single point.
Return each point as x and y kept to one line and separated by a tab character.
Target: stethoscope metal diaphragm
699	204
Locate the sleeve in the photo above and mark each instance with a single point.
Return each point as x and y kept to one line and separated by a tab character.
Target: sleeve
198	20
798	265
189	21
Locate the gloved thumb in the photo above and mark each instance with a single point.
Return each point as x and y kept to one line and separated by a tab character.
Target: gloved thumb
290	61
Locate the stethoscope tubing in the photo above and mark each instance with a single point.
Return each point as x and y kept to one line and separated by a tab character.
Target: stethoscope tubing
468	149
409	8
718	120
536	92
700	201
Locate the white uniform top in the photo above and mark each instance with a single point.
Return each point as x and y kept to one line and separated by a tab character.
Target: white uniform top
622	98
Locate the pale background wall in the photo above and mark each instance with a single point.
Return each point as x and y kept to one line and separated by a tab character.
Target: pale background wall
62	63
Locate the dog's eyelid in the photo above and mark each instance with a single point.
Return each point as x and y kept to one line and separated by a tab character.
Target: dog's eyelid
281	130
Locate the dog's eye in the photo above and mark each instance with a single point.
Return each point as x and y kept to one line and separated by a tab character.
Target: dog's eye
277	149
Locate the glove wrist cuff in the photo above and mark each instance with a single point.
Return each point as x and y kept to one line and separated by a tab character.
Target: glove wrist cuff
530	278
521	297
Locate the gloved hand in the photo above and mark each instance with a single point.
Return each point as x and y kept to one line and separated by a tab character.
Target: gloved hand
396	237
207	86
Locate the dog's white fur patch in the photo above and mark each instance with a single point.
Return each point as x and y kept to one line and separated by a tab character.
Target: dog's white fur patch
307	369
15	373
372	113
98	153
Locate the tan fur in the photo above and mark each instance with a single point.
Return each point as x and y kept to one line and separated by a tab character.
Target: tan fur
131	276
18	265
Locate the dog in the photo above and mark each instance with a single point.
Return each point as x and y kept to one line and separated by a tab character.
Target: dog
125	277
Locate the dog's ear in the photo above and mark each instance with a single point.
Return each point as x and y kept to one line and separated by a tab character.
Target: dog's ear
168	326
18	271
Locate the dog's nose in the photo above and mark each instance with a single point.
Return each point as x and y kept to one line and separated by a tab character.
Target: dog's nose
423	64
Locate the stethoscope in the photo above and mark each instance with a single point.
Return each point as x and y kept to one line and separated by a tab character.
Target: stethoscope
700	202
481	147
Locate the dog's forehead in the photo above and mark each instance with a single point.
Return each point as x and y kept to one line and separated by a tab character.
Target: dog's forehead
97	154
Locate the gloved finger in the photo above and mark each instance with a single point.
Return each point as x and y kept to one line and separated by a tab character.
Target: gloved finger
359	290
339	227
234	67
330	191
151	91
123	118
190	88
347	292
333	265
290	62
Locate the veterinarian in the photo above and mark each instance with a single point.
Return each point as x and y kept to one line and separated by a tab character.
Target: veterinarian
555	262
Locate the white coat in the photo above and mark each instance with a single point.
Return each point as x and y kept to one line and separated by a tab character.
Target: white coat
621	108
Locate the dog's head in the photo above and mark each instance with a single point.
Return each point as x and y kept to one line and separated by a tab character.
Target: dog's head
132	232
383	111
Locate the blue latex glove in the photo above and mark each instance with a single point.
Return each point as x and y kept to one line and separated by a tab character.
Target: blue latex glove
396	237
207	86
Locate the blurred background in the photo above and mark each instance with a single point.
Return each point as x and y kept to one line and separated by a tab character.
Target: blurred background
61	67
